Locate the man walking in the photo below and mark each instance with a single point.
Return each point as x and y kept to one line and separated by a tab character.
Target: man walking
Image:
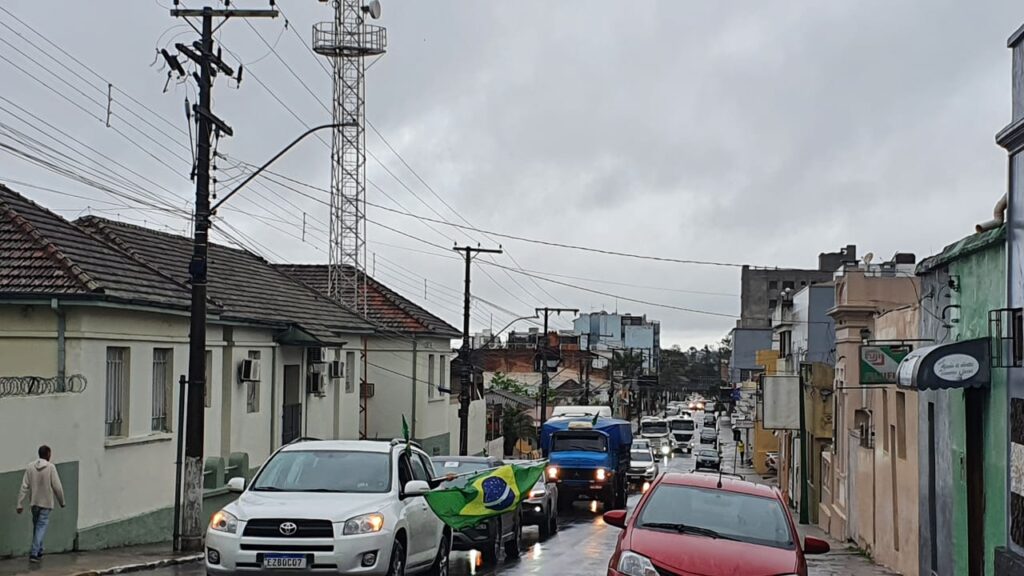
41	485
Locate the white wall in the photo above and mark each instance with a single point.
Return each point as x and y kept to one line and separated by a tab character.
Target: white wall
391	371
477	427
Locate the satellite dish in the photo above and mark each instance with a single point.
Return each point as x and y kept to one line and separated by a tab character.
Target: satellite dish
868	258
373	8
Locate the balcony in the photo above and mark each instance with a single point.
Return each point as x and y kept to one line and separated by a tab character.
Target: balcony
329	40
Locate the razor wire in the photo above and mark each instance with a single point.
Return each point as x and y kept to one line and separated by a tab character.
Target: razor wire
11	386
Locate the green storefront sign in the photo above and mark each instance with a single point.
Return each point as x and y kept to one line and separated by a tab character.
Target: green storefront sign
878	364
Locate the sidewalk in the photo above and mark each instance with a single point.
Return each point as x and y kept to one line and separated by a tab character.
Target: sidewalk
98	562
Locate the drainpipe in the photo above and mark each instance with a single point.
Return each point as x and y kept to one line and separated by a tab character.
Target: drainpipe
998	217
412	434
61	349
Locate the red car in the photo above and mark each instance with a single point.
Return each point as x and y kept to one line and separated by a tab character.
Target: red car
707	525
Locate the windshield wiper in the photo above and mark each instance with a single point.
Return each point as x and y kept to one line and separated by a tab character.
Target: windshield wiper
321	490
687	529
268	489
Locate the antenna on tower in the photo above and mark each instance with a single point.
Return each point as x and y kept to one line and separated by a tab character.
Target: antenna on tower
348	41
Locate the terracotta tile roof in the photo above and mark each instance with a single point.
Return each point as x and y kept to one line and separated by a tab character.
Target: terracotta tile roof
245	286
44	255
385	307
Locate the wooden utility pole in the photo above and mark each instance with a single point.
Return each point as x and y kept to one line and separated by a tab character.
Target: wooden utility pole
192	526
465	352
544	377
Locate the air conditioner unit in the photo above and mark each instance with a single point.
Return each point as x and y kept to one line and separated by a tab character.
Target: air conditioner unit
366	390
249	370
315	355
336	369
315	384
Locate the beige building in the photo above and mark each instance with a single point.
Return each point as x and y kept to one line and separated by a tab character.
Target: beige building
870	487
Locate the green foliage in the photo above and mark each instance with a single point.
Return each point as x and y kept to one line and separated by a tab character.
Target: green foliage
503	381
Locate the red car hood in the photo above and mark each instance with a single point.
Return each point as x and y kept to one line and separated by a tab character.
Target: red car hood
690	555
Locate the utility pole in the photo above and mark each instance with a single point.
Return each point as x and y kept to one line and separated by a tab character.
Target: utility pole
544	378
202	53
465	352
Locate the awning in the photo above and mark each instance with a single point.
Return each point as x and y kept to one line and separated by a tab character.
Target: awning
962	364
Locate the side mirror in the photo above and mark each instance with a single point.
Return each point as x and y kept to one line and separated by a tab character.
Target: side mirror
236	484
814	545
617	518
415	488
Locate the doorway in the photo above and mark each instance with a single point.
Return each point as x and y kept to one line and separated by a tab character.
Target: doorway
291	410
974	408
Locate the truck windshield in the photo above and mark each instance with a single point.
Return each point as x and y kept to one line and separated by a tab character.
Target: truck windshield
684	425
579	442
654	428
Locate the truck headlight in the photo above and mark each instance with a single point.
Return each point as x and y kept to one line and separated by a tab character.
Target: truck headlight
665	449
553	472
365	524
223	521
601	474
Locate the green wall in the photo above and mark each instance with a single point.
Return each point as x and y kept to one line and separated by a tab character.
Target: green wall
439	445
16	530
982	280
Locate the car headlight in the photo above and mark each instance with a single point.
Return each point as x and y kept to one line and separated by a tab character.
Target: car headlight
651	469
665	450
601	474
633	564
222	521
537	492
552	472
365	524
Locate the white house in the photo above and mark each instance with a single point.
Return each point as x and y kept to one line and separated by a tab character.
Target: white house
93	339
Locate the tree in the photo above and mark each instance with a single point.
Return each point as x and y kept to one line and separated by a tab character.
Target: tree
516	424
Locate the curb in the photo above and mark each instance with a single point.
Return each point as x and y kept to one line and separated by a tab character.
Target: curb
153	565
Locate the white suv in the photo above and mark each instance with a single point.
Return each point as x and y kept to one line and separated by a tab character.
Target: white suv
333	507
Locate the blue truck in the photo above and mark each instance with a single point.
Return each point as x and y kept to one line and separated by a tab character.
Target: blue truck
588	459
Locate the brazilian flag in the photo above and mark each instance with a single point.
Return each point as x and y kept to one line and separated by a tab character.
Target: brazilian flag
486	494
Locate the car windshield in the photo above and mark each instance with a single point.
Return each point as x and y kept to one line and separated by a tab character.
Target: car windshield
707	433
717	513
461	468
641	445
326	471
641	456
654	428
579	442
709	454
684	425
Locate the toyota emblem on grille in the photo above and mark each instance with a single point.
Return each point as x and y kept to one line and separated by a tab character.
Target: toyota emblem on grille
287	528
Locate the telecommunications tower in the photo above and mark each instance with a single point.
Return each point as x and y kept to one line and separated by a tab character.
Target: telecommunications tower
348	41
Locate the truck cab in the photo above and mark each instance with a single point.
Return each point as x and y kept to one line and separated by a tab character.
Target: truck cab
588	458
682	429
656	430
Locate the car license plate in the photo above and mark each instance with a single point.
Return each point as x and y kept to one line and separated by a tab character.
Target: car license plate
284	561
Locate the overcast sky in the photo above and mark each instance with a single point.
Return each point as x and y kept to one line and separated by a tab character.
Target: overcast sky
742	132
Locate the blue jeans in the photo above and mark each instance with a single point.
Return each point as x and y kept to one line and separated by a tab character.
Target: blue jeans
40	520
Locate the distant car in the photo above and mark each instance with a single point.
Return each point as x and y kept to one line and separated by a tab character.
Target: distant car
640	444
642	466
708	459
490	536
710	421
709	436
703	524
540	508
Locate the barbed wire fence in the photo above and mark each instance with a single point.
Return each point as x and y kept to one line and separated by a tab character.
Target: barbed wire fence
11	386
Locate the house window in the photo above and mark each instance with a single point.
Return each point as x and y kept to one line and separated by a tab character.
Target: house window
350	372
117	391
252	388
162	387
430	377
901	425
787	284
208	389
772	304
773	284
442	372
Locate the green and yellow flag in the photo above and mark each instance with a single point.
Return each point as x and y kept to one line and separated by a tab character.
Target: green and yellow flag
486	494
